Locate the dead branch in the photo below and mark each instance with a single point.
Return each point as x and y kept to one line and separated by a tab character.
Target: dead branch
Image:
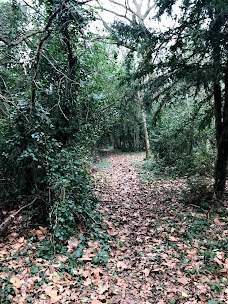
3	98
5	224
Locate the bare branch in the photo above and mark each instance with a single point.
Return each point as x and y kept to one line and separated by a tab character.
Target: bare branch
39	51
116	14
84	2
23	38
119	42
33	8
3	98
59	71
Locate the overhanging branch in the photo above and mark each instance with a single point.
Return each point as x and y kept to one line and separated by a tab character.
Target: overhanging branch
21	39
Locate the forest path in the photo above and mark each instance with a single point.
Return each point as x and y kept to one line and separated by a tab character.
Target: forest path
129	205
159	249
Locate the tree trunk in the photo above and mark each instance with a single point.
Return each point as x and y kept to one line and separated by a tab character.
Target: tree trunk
221	138
147	141
221	113
146	135
221	167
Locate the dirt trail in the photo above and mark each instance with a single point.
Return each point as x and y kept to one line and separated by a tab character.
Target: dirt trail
128	204
159	254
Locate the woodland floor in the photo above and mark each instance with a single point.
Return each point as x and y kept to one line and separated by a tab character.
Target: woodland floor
160	249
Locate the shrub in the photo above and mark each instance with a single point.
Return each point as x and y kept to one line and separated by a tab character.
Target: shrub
34	165
72	200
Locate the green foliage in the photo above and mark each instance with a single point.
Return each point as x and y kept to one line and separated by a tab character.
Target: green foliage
181	142
44	141
26	151
199	193
71	195
6	288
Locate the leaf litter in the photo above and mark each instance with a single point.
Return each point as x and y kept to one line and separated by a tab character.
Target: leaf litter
160	250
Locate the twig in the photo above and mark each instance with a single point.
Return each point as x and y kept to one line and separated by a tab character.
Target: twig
91	218
10	218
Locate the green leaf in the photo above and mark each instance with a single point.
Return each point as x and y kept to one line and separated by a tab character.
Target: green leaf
85	299
211	302
184	294
121	244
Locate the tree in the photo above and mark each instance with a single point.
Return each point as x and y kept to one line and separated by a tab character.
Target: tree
53	88
198	54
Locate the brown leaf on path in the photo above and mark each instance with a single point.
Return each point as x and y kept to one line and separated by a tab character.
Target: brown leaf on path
103	289
112	232
3	253
72	243
16	282
43	229
203	288
218	222
191	253
18	245
161	302
173	239
146	272
183	280
220	255
84	273
95	302
86	258
121	283
97	271
170	263
87	282
53	294
36	232
122	265
62	258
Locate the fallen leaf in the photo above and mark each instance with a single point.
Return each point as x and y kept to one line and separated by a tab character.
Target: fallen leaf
95	302
183	280
103	289
218	261
43	229
97	271
173	239
122	265
53	294
16	282
146	272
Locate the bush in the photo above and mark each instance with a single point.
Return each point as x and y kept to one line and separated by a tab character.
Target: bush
199	193
34	166
72	200
182	143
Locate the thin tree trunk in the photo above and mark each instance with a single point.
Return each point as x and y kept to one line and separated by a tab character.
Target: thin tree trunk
146	135
147	141
222	143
